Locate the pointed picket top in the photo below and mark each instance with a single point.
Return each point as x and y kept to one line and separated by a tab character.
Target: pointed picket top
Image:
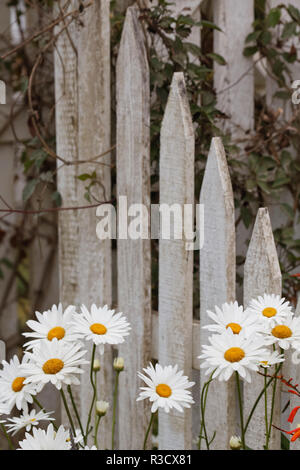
261	276
177	147
217	279
216	181
262	273
132	54
2	351
177	112
133	256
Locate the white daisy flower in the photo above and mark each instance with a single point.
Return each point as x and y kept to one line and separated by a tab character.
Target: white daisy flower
101	325
46	440
55	362
13	390
54	323
89	448
231	315
271	358
166	388
28	420
286	333
269	309
228	353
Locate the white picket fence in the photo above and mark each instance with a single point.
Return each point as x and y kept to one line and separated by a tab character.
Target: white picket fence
83	120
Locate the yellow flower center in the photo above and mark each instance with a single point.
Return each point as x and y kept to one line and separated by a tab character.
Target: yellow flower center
281	331
269	312
56	332
235	327
163	390
234	354
264	362
18	384
53	366
98	329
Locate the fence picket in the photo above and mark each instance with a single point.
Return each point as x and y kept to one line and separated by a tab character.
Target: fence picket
175	263
66	112
2	350
134	256
217	279
94	121
261	275
234	82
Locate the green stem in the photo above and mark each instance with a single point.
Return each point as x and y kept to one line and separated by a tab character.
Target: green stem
241	409
266	404
271	416
75	408
68	411
96	431
44	409
94	395
10	444
259	397
148	430
203	408
114	410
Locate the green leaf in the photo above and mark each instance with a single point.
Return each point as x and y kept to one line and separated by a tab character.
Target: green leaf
208	24
273	17
217	58
56	197
29	189
288	209
84	177
289	30
249	51
246	215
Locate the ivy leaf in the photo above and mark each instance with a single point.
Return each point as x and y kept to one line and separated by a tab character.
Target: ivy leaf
289	30
249	51
217	58
56	197
29	189
84	177
273	17
209	24
288	209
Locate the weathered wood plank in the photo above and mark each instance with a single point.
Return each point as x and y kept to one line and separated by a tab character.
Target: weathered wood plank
66	112
94	122
2	350
234	82
261	275
175	262
134	256
217	279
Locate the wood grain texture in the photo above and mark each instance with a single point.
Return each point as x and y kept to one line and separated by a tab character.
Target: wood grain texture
134	256
66	113
2	350
175	262
261	275
217	279
94	122
234	82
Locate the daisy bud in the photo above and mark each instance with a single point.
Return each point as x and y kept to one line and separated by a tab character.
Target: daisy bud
119	364
235	443
96	365
101	407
